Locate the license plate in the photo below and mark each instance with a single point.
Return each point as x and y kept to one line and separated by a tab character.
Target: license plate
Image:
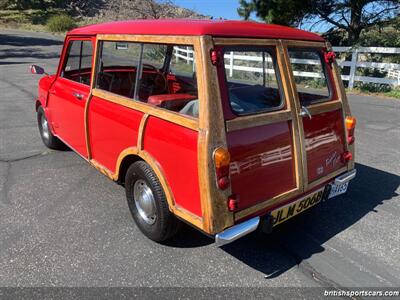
338	189
288	211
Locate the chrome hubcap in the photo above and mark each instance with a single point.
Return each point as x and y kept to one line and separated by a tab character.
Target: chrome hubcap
45	127
144	201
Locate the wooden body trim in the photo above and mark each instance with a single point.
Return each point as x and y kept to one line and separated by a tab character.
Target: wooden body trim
327	177
142	127
258	120
323	107
299	129
265	204
145	38
212	134
345	104
245	41
292	106
305	44
185	121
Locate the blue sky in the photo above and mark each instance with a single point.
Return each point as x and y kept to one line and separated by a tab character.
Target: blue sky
227	9
216	8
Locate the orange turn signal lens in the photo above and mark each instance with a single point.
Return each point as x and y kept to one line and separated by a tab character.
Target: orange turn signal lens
350	122
222	157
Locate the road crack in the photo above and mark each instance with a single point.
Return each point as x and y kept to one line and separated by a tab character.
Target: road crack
5	189
26	157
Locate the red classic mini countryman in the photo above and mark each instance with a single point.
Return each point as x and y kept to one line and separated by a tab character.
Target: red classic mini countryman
228	126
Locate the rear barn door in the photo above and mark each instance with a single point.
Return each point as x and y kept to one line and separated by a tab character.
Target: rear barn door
320	114
260	128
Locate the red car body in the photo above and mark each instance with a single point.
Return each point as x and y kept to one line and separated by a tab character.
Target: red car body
275	157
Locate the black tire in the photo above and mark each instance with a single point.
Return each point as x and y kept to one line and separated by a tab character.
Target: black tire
48	138
165	223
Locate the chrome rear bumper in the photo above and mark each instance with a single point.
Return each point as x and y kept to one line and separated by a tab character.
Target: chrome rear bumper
346	177
237	231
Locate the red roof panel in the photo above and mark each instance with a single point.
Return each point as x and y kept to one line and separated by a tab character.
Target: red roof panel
198	27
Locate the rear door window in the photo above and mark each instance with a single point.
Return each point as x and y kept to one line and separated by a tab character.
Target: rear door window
252	79
310	75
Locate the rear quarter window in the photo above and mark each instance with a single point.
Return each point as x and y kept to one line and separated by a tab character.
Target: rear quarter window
310	75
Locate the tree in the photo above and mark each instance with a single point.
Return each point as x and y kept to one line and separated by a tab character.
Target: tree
146	9
22	4
351	16
74	7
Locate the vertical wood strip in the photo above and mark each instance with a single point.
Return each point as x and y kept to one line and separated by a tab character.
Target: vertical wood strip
142	127
292	107
345	104
299	130
87	104
212	134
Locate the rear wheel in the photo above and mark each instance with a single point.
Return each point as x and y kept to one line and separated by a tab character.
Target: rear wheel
48	138
148	204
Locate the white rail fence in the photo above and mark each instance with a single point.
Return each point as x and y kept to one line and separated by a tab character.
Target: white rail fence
357	60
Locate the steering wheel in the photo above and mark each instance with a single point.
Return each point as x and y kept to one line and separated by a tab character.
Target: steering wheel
157	84
108	78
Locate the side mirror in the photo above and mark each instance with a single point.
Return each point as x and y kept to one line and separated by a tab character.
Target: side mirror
37	70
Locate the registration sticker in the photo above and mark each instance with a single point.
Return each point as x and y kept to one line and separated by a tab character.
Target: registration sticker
288	211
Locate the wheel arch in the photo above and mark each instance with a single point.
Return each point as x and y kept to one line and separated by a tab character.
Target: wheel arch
130	156
128	160
37	104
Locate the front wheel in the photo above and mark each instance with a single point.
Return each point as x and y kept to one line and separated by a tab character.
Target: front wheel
148	204
48	138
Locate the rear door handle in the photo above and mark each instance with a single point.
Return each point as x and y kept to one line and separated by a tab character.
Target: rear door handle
78	95
305	112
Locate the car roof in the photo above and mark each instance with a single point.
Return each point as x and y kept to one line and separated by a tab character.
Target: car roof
216	28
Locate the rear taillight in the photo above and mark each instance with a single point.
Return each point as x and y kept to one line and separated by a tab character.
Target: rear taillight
350	126
233	203
347	156
222	158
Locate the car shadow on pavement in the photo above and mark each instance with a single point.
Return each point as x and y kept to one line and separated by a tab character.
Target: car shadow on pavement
300	238
24	41
27	53
189	237
16	46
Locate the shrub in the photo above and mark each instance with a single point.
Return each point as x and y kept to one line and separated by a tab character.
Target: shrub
373	88
395	93
60	23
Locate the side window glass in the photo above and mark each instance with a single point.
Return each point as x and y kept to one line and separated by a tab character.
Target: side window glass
168	79
309	74
183	61
151	73
78	64
154	55
252	80
118	67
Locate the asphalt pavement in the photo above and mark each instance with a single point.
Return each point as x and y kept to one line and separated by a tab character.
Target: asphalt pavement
62	223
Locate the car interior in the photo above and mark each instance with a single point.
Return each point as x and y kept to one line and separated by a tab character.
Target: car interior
158	86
